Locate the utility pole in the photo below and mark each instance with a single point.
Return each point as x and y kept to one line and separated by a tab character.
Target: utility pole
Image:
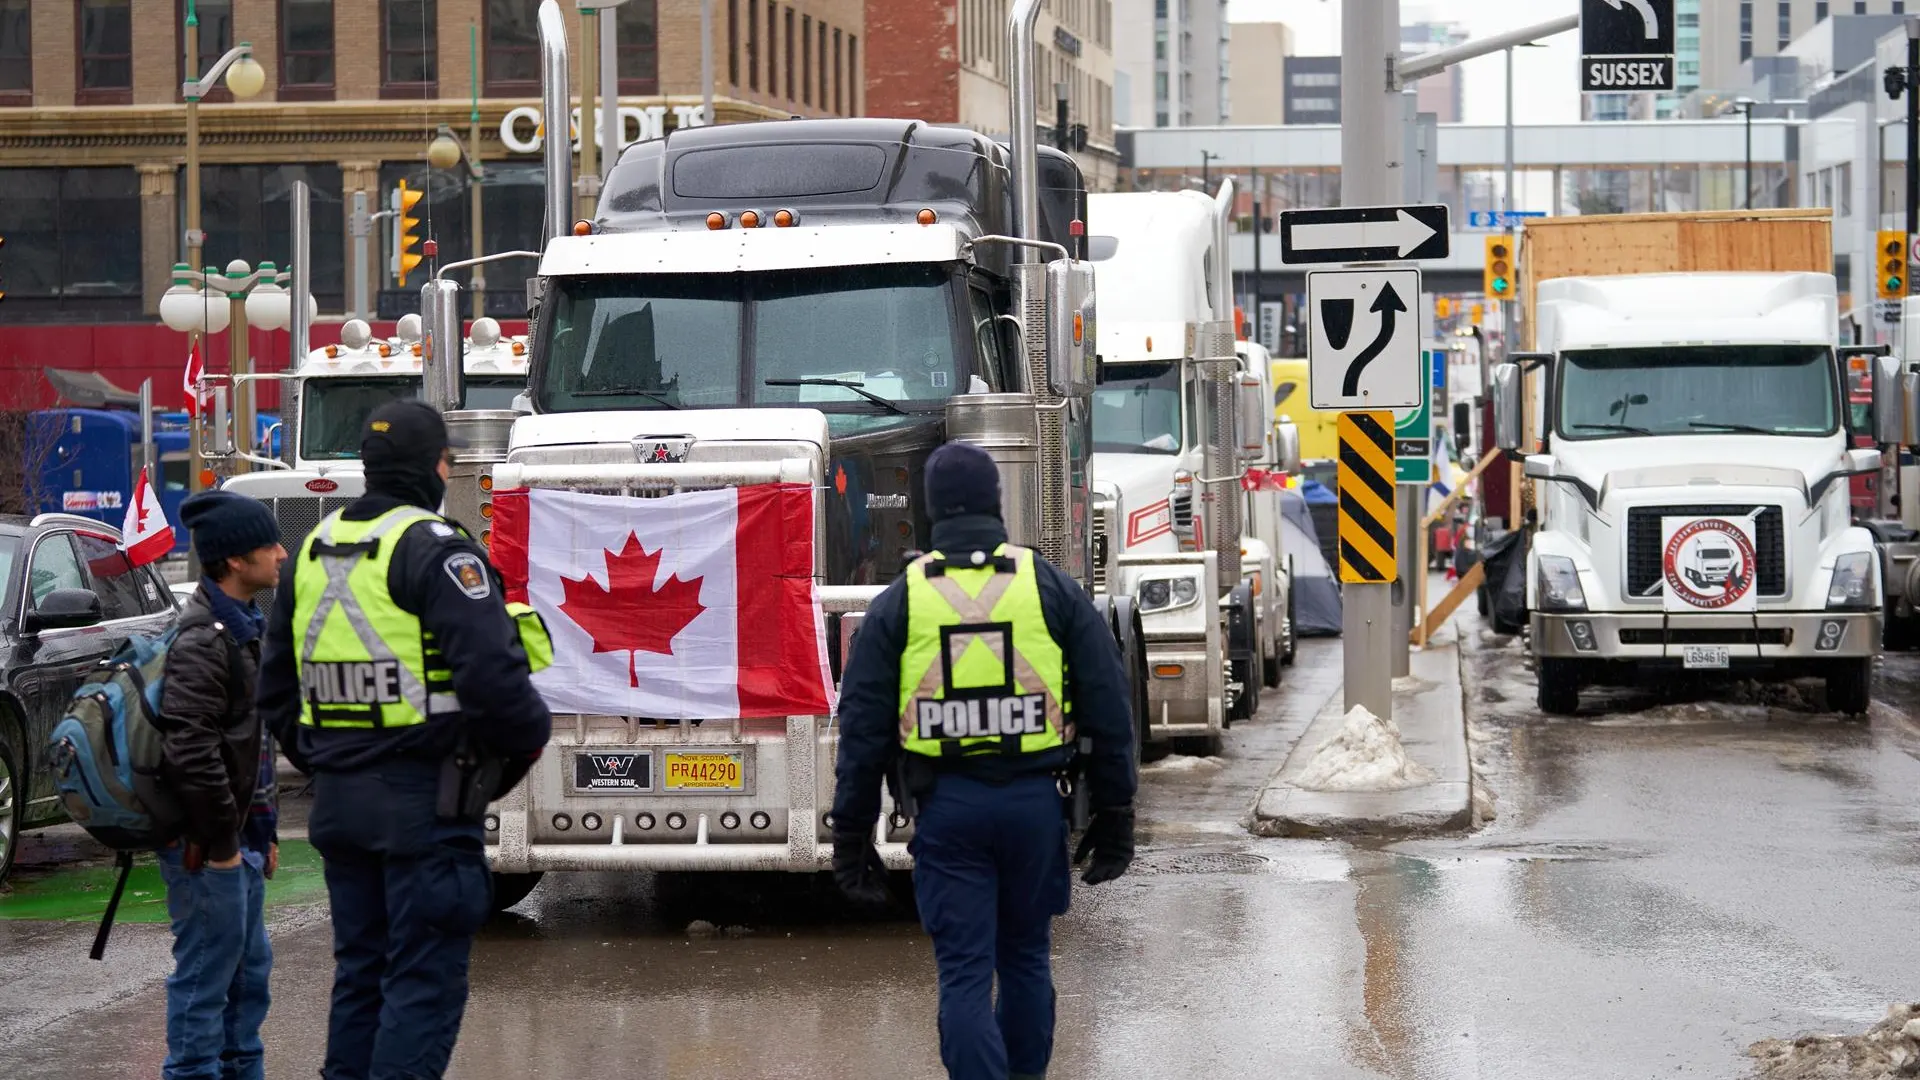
1370	175
1913	138
1206	170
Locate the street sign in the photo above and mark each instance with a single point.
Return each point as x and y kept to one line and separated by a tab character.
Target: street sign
1363	348
1626	46
1413	432
1349	234
1501	220
1367	521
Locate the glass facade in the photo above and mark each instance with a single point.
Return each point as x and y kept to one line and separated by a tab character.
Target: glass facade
246	211
67	254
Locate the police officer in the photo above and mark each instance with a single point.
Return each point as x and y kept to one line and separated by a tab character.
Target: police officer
978	670
391	670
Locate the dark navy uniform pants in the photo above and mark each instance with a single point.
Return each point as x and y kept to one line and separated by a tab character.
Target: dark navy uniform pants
408	892
990	873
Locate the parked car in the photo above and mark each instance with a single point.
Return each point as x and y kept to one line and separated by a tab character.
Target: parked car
70	599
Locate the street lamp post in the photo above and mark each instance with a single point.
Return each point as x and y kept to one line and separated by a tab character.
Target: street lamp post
1206	170
245	77
1744	106
210	301
445	152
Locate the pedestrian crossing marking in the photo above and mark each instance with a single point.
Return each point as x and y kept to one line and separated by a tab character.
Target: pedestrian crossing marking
1366	498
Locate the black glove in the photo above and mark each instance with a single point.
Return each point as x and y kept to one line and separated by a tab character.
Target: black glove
1109	838
858	871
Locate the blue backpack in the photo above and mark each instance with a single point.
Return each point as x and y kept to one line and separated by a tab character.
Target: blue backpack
105	757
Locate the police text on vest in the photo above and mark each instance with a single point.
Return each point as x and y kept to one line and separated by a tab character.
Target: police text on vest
366	682
991	717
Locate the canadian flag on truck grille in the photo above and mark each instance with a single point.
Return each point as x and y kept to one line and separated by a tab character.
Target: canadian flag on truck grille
700	605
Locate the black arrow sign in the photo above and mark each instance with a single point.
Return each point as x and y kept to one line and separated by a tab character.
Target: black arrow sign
1386	304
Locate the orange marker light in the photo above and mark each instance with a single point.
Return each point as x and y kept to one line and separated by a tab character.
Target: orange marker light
749	219
416	348
386	350
783	219
333	352
206	478
1079	327
926	216
486	482
486	510
486	537
519	348
1169	671
582	227
716	220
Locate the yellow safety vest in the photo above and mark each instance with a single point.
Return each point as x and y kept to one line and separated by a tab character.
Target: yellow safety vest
363	661
981	673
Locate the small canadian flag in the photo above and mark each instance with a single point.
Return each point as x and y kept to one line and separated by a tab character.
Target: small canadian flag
191	379
145	533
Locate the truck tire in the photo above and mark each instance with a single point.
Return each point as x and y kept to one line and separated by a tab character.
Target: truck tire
510	889
1291	644
1270	667
1248	702
1559	686
1850	686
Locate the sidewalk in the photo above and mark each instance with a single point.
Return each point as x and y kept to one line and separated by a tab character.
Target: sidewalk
1431	715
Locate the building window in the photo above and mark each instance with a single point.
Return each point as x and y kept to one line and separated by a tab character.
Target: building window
733	43
247	210
512	48
105	45
410	41
216	37
822	53
1746	30
789	40
839	83
753	47
16	53
806	58
637	23
1819	10
773	47
1859	7
1785	19
853	75
1843	182
306	49
68	233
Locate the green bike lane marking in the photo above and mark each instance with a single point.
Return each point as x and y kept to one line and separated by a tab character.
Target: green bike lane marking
80	893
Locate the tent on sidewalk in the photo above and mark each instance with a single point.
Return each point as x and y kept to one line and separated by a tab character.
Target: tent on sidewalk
1316	595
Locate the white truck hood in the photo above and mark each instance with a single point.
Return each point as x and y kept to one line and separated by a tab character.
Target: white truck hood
345	479
711	425
1621	465
1144	482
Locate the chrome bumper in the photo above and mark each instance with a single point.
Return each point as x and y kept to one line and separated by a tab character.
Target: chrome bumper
1188	703
1783	635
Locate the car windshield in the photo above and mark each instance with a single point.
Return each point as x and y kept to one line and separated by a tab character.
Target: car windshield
874	341
1136	409
334	409
1698	390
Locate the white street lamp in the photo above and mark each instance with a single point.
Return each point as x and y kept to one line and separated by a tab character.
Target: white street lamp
246	77
269	306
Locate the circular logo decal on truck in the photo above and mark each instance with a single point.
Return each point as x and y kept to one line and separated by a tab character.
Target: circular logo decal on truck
1709	564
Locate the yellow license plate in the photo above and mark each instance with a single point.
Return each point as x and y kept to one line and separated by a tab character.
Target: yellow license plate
704	772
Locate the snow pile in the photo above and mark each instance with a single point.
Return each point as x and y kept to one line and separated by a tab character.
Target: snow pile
1364	755
1890	1048
1182	763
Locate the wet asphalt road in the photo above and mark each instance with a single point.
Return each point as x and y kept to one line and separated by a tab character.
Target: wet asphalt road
1669	878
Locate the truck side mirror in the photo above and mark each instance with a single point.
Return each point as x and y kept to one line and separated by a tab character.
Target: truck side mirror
221	437
1509	406
1889	409
1252	421
1462	429
1286	445
1070	329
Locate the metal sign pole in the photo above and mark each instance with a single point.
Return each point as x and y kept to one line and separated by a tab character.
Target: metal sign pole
1370	176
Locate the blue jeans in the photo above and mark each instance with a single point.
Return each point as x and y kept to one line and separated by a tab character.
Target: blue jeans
990	873
408	892
217	994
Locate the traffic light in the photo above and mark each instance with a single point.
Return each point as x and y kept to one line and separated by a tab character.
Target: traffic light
1890	282
1500	281
405	238
1443	307
1477	314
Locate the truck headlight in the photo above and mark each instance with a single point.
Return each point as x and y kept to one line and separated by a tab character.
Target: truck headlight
1852	586
1164	594
1559	585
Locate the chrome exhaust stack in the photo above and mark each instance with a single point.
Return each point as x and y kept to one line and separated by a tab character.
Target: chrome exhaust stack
556	112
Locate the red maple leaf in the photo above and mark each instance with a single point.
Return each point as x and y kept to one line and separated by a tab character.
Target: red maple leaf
630	614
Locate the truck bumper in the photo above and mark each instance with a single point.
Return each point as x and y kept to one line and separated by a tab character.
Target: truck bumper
1187	703
1784	635
1897	563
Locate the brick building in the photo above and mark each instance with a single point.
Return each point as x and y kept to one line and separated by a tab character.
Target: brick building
92	138
945	62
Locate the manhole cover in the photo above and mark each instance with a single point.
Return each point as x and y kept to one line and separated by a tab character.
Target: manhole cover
1199	862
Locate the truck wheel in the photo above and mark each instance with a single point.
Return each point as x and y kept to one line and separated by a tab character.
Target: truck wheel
1270	670
1850	686
1559	693
1248	701
510	889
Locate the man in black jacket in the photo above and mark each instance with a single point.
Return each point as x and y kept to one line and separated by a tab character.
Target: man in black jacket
210	763
983	665
374	681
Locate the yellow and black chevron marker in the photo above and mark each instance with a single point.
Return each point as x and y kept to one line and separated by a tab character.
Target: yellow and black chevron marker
1366	498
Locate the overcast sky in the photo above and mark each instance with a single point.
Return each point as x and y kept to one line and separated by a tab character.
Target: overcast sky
1545	79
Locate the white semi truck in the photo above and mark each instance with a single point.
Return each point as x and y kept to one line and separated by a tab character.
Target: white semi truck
1692	483
817	301
1180	417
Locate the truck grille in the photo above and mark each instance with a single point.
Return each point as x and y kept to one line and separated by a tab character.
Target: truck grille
1693	635
1105	520
1644	536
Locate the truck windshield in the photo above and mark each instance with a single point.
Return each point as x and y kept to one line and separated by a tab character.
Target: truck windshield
1136	409
814	338
334	410
1698	390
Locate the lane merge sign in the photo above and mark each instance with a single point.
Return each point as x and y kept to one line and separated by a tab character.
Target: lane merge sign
1626	46
1350	234
1363	348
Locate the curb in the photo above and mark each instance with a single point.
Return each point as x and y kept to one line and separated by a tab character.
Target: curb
1431	713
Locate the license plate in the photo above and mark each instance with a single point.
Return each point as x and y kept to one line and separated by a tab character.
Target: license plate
693	771
1705	657
612	772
